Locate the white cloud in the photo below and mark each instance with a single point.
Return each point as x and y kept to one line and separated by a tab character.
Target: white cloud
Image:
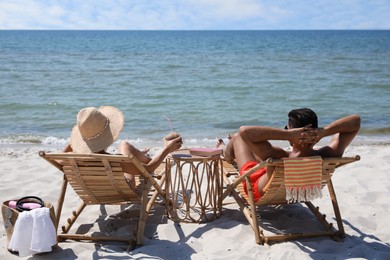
232	9
194	14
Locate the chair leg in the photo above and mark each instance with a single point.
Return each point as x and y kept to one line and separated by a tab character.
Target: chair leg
143	214
249	212
336	208
321	218
155	195
60	201
252	218
72	219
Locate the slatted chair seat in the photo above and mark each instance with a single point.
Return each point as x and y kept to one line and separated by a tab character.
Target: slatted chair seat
99	179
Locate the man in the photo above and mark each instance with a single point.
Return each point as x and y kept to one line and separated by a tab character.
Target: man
251	144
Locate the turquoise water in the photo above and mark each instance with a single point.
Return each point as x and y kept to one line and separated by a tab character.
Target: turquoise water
207	82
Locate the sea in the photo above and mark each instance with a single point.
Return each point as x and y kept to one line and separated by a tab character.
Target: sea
202	84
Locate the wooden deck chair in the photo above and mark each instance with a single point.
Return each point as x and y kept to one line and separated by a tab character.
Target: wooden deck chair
98	179
275	194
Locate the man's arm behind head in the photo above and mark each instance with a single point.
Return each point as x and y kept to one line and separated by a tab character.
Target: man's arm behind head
344	130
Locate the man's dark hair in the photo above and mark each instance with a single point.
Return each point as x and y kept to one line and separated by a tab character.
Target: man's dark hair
302	117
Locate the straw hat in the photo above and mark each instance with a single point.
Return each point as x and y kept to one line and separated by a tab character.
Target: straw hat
96	129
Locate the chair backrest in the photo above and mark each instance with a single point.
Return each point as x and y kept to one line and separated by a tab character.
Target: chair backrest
276	190
97	178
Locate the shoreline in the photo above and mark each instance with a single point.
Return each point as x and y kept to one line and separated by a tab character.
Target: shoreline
55	144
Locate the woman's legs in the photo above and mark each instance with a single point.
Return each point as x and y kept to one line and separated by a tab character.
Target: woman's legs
125	148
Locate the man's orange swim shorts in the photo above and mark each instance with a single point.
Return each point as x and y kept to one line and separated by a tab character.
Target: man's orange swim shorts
254	177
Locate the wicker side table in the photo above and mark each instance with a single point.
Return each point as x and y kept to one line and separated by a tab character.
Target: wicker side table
193	187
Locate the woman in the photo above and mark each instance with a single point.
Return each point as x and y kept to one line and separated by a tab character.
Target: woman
98	128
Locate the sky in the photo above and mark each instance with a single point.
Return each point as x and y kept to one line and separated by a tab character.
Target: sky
194	14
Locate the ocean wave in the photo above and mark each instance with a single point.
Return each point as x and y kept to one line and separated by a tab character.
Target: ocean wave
33	139
59	142
376	131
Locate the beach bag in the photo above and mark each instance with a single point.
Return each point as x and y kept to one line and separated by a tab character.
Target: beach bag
11	213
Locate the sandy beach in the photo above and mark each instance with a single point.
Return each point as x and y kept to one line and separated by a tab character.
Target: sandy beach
362	189
201	69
